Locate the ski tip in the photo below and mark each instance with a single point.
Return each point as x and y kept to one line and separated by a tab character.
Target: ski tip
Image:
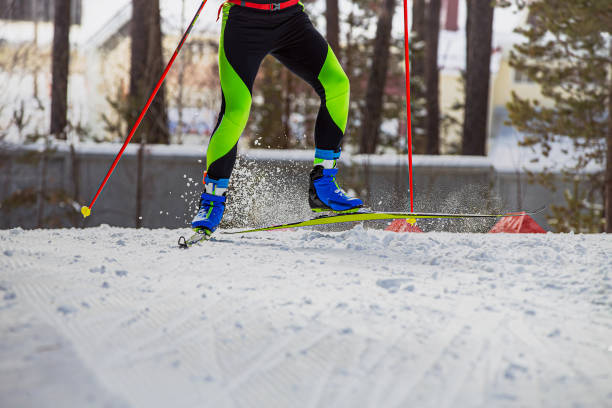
522	213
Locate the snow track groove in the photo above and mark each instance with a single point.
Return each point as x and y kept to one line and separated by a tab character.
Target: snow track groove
305	319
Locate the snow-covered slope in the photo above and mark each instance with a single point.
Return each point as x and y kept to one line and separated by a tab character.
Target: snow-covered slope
110	317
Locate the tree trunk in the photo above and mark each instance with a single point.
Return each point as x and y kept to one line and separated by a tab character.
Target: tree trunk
76	191
378	77
608	198
333	26
468	25
479	37
41	194
432	122
348	61
60	63
418	30
269	115
146	69
181	85
417	76
36	67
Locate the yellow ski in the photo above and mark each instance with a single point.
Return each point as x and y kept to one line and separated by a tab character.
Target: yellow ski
374	215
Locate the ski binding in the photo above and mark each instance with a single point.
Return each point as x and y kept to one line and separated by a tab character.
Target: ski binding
201	234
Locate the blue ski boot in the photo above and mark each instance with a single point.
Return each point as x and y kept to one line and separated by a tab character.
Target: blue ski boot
212	206
324	193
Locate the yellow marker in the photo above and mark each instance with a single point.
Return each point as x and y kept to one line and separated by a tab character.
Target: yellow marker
85	211
411	221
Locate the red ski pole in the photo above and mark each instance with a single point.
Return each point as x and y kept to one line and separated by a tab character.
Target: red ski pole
86	211
408	121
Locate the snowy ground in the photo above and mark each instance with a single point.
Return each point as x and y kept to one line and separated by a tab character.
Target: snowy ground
111	317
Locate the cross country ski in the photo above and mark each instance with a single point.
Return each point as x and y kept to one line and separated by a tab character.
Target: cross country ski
203	235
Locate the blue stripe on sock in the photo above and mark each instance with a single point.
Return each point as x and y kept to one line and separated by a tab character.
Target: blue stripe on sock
221	183
326	154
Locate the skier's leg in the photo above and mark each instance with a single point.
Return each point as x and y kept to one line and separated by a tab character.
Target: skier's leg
239	60
306	53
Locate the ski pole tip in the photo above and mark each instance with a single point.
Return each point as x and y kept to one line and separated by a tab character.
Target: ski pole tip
411	221
86	211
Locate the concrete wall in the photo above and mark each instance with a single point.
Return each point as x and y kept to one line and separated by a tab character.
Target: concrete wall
267	187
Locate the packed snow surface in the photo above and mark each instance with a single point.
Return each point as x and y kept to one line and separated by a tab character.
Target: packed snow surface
111	317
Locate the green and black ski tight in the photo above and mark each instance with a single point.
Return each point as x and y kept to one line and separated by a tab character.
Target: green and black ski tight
247	36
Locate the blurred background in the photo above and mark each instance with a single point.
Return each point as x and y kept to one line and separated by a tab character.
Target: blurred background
510	105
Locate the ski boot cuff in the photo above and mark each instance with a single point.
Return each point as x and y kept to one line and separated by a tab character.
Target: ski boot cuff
220	183
215	187
326	158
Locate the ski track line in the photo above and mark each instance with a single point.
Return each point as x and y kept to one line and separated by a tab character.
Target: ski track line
275	369
434	354
49	365
526	361
413	393
317	396
455	361
169	330
381	361
14	260
216	343
487	393
390	348
475	384
476	333
519	364
383	365
351	385
79	336
547	308
312	362
336	370
492	393
34	296
550	351
170	340
289	345
271	357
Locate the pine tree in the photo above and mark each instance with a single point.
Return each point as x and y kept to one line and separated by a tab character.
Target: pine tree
432	77
568	54
417	77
